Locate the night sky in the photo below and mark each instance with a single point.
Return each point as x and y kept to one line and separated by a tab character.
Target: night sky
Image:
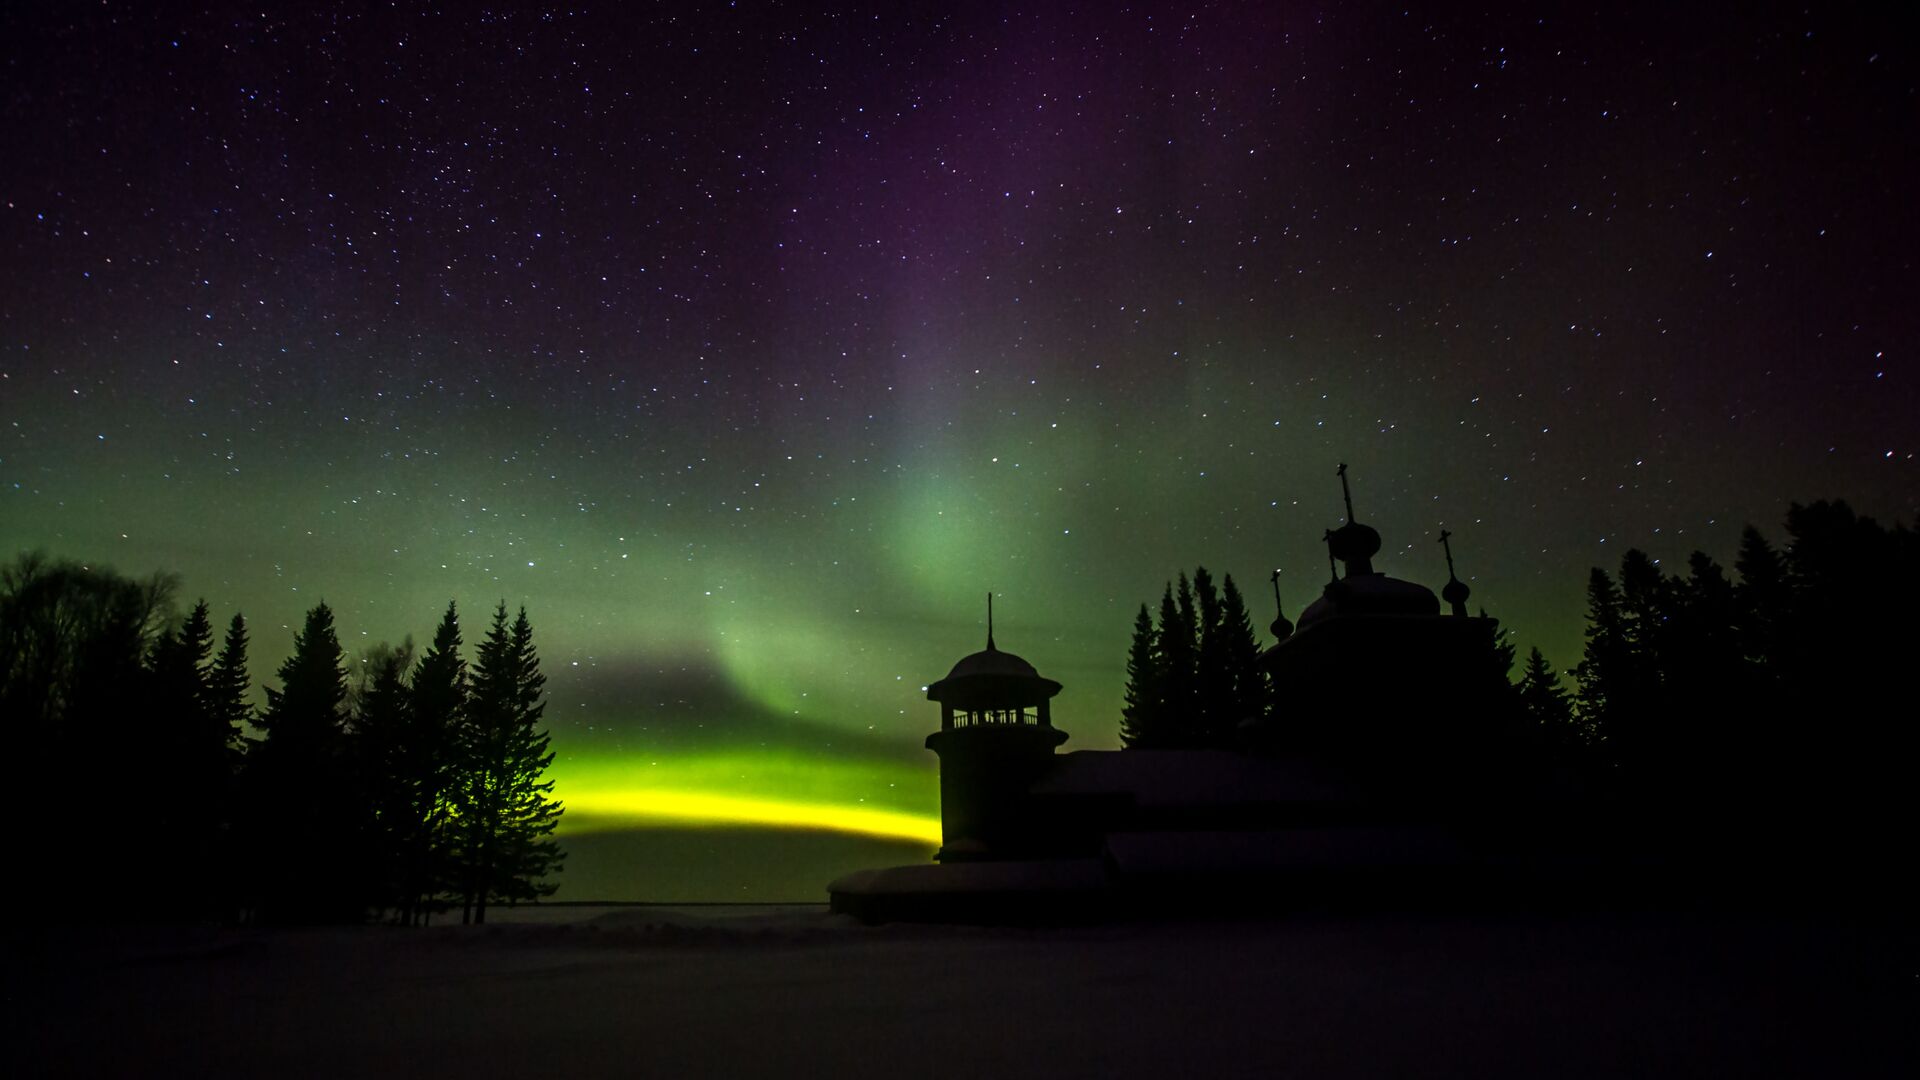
749	346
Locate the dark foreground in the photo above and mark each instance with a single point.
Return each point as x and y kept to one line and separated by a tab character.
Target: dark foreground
796	992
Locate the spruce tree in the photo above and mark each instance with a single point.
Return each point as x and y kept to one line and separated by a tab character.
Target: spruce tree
1174	658
1213	672
307	816
1140	717
1241	656
1645	604
1546	701
1603	666
181	741
229	713
1705	693
382	719
183	787
438	703
181	660
308	706
1193	678
1763	604
228	685
506	814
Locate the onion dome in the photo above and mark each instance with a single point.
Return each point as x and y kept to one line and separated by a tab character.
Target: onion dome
1356	545
1280	626
1353	543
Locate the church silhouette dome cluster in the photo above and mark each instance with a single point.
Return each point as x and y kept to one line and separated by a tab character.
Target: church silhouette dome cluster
1364	590
1377	753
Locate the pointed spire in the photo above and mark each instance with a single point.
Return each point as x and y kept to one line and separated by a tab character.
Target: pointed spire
1455	592
1345	491
1333	568
990	647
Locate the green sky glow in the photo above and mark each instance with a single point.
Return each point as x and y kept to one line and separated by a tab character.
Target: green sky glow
749	351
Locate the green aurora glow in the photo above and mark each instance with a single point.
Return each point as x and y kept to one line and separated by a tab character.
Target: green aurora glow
748	352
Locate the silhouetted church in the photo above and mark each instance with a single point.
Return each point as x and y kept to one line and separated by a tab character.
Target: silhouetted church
1382	751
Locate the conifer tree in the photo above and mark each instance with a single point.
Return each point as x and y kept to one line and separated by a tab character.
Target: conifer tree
181	740
1645	608
181	659
1707	697
184	785
1188	613
382	719
1213	674
1140	717
506	816
229	713
1174	659
307	820
1763	602
228	684
1603	666
1500	658
1241	657
1195	676
438	702
308	706
1545	700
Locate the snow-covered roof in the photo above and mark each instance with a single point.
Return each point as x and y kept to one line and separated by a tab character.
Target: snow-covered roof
1160	778
1372	847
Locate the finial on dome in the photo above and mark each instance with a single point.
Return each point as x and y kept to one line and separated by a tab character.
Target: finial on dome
1353	543
1281	627
990	647
1455	592
1333	568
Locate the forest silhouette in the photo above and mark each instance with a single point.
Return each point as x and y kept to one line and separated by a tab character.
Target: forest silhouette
1764	713
405	789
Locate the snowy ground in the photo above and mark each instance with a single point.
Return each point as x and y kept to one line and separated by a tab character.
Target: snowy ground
794	991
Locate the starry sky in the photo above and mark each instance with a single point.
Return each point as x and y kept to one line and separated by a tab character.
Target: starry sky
750	345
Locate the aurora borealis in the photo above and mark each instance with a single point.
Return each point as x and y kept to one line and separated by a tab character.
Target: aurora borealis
749	345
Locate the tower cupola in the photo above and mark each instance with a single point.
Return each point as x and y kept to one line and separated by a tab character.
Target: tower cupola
993	687
996	739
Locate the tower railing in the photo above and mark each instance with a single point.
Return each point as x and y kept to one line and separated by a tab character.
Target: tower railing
992	717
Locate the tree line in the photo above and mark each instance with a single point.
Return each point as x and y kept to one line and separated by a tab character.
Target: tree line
1192	677
407	788
1778	690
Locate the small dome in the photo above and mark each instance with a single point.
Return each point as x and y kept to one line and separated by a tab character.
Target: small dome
992	662
991	679
1370	594
1455	592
